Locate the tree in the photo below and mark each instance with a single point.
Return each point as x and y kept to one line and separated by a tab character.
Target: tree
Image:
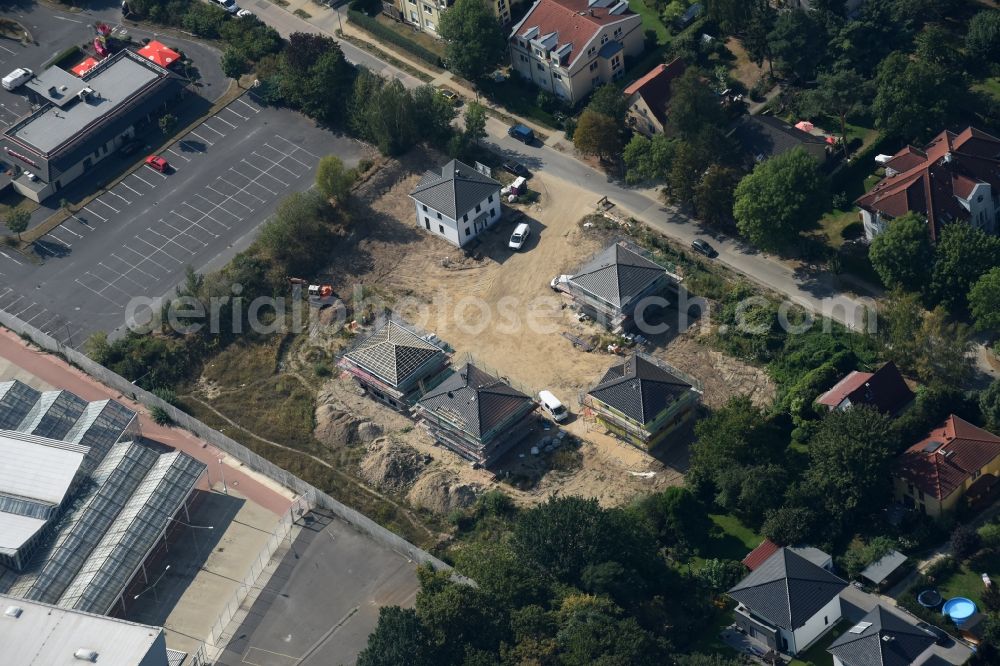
713	196
685	170
474	42
848	463
899	326
597	134
934	44
962	255
608	100
297	237
592	631
693	105
735	436
648	160
720	575
944	350
203	19
901	254
234	63
914	97
984	301
399	638
797	41
167	123
333	179
675	515
779	198
17	221
475	122
989	404
757	38
789	525
983	37
964	542
458	617
841	92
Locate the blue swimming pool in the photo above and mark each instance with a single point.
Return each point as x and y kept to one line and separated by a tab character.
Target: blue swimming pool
959	609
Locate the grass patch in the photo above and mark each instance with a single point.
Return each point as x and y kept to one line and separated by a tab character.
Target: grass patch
9	200
302	14
242	364
278	408
967	580
387	57
403	40
734	540
989	86
65	58
834	223
651	20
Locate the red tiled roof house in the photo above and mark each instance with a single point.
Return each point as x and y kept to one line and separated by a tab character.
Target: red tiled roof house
885	390
955	460
649	97
569	47
956	177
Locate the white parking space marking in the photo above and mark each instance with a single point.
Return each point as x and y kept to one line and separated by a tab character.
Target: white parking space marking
249	106
191	146
174	152
230	110
103	219
126	185
264	172
57	239
208	216
241	189
100	200
223	120
253	181
11	258
192	224
287	155
202	138
136	175
44	249
159	249
149	259
229	197
4	48
170	240
127	202
273	163
81	223
297	147
120	276
207	126
104	284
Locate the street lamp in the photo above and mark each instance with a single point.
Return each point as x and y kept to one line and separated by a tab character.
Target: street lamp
197	527
162	574
222	472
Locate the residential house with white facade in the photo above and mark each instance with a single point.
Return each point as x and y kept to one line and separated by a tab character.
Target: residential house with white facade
787	603
570	47
425	15
649	97
954	178
457	203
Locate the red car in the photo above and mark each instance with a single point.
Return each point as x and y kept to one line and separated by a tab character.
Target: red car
158	163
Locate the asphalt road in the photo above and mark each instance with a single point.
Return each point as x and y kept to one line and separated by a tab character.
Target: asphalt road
136	240
323	600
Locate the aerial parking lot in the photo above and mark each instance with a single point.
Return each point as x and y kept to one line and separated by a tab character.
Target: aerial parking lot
226	176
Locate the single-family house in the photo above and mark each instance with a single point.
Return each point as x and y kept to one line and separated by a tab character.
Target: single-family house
956	460
476	415
425	15
886	571
613	285
763	137
881	638
642	400
457	203
954	178
767	548
885	390
570	47
787	603
394	365
649	97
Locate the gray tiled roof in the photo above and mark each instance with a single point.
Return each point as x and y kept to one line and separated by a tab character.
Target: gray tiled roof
393	353
639	388
455	190
617	275
888	641
787	589
475	400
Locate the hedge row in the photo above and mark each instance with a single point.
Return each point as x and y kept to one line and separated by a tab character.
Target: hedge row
386	34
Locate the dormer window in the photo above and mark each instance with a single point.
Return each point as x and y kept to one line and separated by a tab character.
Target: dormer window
618	33
604	39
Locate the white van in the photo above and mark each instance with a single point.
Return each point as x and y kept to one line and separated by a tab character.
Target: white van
551	404
520	235
17	78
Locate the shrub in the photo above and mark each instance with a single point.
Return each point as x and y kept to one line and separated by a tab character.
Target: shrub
165	394
322	369
160	416
989	534
964	542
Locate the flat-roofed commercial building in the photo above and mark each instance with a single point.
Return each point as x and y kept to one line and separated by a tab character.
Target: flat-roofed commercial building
38	634
83	120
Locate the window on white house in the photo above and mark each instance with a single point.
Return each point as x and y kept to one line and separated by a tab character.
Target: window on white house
591	50
439	216
539	66
618	33
427	223
428	9
524	58
593	65
429	25
468	231
538	52
414	17
604	39
424	207
616	62
441	228
556	76
465	218
479	207
490	198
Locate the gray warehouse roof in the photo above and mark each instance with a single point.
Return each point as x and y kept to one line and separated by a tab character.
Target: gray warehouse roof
882	638
787	589
393	353
37	634
36	468
115	83
455	190
617	275
56	85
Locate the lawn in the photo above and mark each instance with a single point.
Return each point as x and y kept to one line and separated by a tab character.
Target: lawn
520	98
650	20
409	33
967	581
735	541
834	222
990	86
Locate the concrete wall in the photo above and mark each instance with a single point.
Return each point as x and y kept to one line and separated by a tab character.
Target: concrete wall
462	231
817	625
230	446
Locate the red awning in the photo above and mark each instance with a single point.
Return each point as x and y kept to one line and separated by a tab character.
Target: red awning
84	67
159	53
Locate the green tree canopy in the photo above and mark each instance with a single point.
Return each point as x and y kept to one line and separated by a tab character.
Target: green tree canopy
234	63
901	254
17	221
475	43
675	515
693	105
914	98
713	195
399	638
984	301
597	134
333	179
609	100
798	42
842	92
963	253
989	405
648	160
780	198
983	37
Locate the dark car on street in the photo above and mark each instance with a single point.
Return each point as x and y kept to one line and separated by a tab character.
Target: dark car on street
517	169
698	245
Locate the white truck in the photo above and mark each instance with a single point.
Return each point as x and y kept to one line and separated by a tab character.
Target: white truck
17	78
